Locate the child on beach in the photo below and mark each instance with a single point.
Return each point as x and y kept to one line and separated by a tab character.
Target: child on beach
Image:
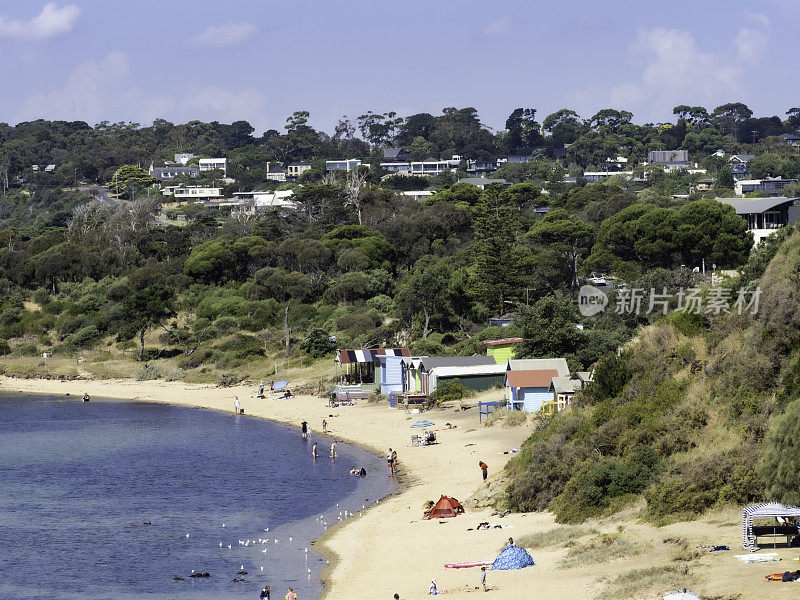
236	404
432	588
390	462
485	468
483	578
333	450
264	593
324	426
290	595
314	450
304	429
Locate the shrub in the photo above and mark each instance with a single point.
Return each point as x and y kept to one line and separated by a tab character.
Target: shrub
447	391
229	378
780	464
4	347
226	325
85	337
149	371
26	350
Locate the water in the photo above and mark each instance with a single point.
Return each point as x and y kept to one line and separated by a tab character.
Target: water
97	499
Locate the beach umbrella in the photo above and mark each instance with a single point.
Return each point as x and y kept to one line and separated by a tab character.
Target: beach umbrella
421	424
279	385
512	557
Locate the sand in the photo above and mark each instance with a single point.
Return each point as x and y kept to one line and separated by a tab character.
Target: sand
391	549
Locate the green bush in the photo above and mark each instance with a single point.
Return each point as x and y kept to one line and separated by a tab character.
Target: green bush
26	350
447	391
4	347
780	465
149	371
229	378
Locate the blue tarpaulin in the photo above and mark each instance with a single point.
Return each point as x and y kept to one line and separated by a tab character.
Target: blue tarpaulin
421	424
512	557
279	385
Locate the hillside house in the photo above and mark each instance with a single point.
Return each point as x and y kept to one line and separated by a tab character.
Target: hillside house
213	164
295	169
738	164
528	382
501	350
771	186
342	165
764	215
670	160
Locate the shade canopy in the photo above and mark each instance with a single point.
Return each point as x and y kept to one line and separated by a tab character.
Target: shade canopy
279	385
421	424
763	511
512	557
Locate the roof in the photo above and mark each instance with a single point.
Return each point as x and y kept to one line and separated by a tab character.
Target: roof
564	385
790	136
515	340
479	181
433	362
468	371
368	355
393	152
742	157
534	378
748	206
299	164
530	364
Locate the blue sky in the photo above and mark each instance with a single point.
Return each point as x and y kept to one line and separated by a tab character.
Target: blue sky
259	60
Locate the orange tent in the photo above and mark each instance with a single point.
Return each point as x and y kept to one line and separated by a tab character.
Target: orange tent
446	507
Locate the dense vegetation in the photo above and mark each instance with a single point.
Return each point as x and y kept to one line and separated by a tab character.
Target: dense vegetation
699	412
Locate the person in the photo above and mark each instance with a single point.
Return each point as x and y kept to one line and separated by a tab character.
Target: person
510	541
264	593
304	429
362	472
85	397
432	588
261	389
483	578
389	462
290	595
314	450
394	461
333	449
271	386
324	426
236	404
397	597
485	468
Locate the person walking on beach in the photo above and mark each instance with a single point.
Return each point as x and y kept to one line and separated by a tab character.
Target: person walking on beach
333	450
314	450
324	426
304	429
394	461
236	404
264	593
261	389
483	578
432	588
290	595
389	462
485	468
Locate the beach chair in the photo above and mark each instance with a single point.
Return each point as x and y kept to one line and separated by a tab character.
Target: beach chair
415	440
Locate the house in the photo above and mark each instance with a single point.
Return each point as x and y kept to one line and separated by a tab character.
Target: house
764	215
501	350
791	139
479	168
266	200
275	173
502	321
418	195
620	162
342	165
391	369
771	186
703	185
671	160
424	373
401	168
483	183
183	158
361	365
597	176
431	167
213	164
171	172
395	155
49	168
738	164
295	169
192	192
528	382
516	158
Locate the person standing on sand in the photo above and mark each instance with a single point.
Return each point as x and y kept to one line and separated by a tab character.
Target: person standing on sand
264	593
333	450
432	588
290	595
314	450
304	429
510	542
394	461
236	404
483	578
261	390
389	463
324	426
485	468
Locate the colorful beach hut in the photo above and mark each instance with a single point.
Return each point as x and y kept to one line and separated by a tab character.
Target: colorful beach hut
501	350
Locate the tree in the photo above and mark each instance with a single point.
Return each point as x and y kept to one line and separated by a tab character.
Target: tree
129	180
147	308
724	179
710	230
298	119
567	235
523	130
425	292
564	126
780	464
354	187
548	328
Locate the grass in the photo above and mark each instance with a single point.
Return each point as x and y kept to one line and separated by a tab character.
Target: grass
638	582
552	537
602	548
503	416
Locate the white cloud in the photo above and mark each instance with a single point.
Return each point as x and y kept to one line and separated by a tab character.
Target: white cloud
498	27
103	90
51	21
220	36
677	71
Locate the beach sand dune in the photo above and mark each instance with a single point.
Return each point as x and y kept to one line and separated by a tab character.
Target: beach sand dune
391	549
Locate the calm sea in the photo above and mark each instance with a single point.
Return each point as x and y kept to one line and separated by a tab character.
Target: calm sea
112	499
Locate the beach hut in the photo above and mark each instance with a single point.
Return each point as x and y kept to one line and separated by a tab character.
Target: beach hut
529	390
446	507
501	350
512	557
391	369
359	366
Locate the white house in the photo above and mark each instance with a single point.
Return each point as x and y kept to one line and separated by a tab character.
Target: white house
183	158
267	200
528	382
214	164
770	186
431	167
670	160
764	215
342	165
192	192
418	194
275	173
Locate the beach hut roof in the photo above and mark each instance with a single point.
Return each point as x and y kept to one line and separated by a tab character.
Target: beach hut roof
535	378
529	364
368	355
512	557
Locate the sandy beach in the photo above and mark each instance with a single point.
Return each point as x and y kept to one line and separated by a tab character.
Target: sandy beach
391	549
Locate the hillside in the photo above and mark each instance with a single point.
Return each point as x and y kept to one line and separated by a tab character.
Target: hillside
699	412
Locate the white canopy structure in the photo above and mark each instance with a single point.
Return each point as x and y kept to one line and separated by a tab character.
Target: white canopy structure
763	511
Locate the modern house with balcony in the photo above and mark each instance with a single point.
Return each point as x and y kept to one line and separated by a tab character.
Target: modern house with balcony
214	164
670	160
764	215
171	172
768	186
342	165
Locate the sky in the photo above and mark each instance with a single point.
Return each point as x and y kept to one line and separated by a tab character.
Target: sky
260	60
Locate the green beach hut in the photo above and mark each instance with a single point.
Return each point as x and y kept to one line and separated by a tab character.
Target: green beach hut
501	350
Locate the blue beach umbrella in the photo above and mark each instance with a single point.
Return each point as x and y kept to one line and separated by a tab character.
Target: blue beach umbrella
512	557
422	424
